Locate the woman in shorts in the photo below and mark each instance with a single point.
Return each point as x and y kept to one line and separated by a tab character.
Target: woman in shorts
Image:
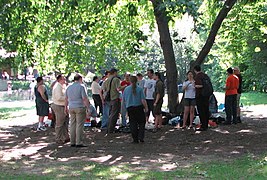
189	99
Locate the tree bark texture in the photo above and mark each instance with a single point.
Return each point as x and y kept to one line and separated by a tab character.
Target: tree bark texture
213	32
168	53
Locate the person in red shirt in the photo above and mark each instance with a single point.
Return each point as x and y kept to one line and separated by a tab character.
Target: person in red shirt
232	84
126	82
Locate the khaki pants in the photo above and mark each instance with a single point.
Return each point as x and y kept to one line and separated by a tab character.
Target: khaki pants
62	122
77	118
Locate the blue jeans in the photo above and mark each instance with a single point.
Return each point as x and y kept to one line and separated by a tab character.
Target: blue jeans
123	114
104	120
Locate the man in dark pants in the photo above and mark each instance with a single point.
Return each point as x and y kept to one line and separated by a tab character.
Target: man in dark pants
112	84
232	84
201	101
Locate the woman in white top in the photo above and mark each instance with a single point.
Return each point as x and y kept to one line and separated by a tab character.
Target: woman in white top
189	100
96	88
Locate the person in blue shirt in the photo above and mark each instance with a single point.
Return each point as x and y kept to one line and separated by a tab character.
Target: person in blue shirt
135	102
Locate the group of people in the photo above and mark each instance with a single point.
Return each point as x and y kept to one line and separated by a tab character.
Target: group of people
133	96
194	97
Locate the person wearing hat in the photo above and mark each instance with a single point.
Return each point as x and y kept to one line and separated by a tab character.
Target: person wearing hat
232	84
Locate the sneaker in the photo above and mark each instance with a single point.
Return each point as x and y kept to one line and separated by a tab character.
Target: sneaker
42	128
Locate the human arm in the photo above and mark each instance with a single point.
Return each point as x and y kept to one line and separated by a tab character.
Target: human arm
41	90
157	99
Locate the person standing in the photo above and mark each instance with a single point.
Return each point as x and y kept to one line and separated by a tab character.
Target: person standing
136	105
112	85
105	104
201	101
149	90
189	100
76	104
58	106
96	97
232	84
158	100
239	91
126	82
42	104
140	80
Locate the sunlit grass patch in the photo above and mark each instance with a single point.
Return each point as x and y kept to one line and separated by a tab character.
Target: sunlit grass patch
6	112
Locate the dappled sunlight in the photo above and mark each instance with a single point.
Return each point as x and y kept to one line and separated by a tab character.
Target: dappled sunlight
18	151
221	131
161	138
116	160
101	159
168	167
207	141
245	131
234	152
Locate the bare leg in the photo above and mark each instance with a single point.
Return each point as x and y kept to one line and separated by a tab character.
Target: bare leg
186	112
192	115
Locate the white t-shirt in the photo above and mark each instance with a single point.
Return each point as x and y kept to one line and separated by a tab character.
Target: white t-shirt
190	91
95	87
150	88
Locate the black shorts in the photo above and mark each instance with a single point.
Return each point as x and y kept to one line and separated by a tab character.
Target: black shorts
189	102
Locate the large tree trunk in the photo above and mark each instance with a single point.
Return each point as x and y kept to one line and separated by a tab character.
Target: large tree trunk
168	53
213	32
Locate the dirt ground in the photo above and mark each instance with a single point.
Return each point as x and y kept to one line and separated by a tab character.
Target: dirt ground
165	150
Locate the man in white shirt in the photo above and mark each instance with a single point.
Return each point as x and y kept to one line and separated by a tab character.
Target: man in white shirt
149	90
96	88
62	120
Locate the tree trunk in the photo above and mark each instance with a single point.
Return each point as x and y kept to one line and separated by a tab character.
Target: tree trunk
213	32
168	53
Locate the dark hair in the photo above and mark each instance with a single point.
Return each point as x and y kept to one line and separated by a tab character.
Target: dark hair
95	78
151	71
77	77
158	74
113	70
133	80
230	70
59	77
39	79
189	72
107	72
139	75
197	68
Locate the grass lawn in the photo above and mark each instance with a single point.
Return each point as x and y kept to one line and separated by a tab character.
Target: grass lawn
245	168
9	112
253	98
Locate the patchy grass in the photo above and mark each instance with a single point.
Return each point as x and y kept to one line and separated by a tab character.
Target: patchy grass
253	98
244	168
6	112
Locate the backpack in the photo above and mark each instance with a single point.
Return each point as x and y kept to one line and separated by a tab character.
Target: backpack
207	89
